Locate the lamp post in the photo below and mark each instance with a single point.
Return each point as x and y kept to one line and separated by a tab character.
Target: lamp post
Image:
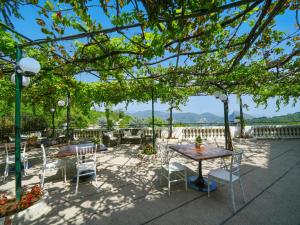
62	103
53	126
25	67
224	98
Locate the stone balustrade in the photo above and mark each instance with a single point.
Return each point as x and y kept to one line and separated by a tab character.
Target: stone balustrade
211	132
203	132
276	131
87	133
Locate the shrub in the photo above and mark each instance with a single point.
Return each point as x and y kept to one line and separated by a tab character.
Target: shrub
149	150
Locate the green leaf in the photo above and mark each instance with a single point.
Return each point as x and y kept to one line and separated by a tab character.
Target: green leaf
49	5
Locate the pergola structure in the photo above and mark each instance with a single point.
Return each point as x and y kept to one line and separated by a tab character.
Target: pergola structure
210	47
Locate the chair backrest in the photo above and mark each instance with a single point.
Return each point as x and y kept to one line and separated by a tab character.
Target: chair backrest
24	145
164	152
86	154
44	155
236	160
9	146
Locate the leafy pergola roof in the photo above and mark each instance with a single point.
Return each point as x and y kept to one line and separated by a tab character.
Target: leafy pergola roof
180	47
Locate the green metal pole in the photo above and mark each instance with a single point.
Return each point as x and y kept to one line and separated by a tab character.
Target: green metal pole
68	115
53	125
153	131
171	121
18	81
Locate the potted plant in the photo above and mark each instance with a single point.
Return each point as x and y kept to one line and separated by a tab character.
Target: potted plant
10	206
148	152
199	143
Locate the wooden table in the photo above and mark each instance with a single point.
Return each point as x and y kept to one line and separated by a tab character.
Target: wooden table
70	150
209	152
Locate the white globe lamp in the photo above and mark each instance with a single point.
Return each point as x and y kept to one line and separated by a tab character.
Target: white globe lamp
29	66
25	80
61	103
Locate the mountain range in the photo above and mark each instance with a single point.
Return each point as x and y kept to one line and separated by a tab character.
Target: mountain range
189	117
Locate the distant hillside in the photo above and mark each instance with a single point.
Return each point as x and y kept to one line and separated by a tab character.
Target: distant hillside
148	113
196	118
289	118
181	117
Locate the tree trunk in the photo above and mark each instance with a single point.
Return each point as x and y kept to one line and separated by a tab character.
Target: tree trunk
242	122
171	122
228	141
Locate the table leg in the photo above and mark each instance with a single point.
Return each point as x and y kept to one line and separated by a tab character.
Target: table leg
200	180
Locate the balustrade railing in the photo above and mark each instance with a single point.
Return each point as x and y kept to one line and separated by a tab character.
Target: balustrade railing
206	132
210	132
203	132
87	133
276	131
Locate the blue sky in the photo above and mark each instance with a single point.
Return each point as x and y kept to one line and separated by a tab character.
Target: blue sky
199	104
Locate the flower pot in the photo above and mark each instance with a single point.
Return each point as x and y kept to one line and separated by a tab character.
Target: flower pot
199	147
35	211
14	215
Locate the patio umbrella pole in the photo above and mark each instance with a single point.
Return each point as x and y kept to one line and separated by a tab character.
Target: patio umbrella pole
153	131
18	81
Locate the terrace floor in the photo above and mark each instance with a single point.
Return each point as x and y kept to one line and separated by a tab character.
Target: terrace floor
129	190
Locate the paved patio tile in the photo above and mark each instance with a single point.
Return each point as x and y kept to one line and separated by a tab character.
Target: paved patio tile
128	190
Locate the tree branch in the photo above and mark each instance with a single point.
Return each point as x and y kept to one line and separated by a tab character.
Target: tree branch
223	24
253	34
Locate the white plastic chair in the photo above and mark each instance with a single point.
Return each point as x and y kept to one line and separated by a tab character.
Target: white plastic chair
230	176
86	163
10	159
51	165
169	169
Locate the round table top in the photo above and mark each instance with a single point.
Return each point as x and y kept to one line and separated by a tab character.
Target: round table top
70	150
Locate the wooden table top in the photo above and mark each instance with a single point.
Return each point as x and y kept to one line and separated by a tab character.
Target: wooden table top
70	150
209	152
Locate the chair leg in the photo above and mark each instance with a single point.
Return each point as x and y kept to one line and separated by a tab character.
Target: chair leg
96	178
169	185
186	180
43	178
208	186
77	182
64	169
6	170
242	188
160	177
232	196
24	167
